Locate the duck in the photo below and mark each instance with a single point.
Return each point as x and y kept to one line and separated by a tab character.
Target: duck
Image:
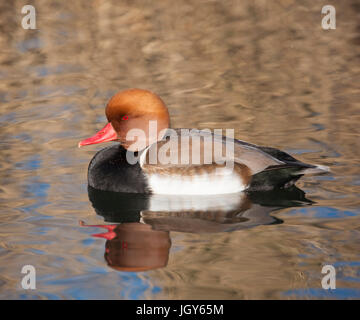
150	157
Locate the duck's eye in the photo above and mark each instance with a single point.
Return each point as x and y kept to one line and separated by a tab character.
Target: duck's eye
125	118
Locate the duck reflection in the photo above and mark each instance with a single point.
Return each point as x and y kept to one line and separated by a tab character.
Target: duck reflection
134	246
139	237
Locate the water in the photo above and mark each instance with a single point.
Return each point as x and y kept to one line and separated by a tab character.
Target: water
267	70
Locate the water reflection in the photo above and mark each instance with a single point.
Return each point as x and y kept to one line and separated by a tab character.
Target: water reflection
139	237
134	246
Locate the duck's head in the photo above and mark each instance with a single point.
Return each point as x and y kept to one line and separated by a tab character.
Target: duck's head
132	109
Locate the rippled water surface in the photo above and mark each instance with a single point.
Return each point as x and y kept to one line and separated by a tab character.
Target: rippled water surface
266	69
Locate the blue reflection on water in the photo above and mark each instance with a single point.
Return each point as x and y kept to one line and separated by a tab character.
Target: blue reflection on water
32	163
38	189
346	263
338	293
30	44
129	285
323	212
135	286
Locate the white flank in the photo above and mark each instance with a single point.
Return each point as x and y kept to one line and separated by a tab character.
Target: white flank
222	182
176	203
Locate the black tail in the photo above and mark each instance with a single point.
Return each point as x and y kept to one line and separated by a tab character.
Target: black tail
283	176
274	178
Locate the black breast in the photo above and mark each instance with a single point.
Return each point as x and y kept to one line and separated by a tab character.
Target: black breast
110	171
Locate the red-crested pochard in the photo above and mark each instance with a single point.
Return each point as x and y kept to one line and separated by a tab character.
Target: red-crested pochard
152	158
